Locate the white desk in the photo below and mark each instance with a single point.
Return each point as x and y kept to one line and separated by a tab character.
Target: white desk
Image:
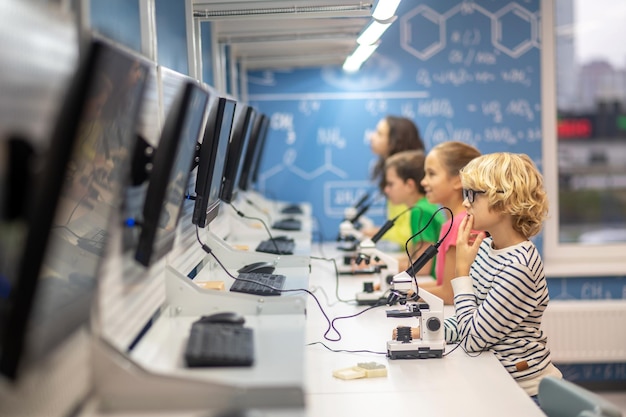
157	379
455	385
255	221
248	243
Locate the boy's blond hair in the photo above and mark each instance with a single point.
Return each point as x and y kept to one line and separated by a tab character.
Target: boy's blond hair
513	185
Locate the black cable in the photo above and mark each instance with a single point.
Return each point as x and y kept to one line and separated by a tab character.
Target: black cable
331	323
241	214
334	261
362	206
346	350
259	208
421	241
210	252
470	354
436	245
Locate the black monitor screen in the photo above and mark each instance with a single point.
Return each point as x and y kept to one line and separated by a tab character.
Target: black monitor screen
236	151
71	197
249	171
170	171
212	160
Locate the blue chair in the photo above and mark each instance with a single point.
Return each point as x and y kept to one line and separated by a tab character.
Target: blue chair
561	398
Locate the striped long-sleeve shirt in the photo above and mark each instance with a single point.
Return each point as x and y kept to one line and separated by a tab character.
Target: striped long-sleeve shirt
499	307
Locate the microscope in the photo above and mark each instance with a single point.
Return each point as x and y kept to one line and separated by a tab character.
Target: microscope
404	290
367	251
353	221
388	268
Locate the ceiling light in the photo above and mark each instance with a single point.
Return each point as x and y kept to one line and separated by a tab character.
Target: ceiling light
358	57
372	33
385	9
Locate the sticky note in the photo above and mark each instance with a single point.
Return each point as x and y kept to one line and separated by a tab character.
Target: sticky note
353	372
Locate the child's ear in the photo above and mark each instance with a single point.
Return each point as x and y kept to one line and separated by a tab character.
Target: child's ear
456	182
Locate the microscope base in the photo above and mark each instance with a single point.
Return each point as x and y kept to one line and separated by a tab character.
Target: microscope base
415	349
370	298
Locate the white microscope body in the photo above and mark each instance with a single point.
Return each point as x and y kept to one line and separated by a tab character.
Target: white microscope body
350	228
431	343
367	252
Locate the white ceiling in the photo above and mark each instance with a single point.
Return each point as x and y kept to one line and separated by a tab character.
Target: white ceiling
286	33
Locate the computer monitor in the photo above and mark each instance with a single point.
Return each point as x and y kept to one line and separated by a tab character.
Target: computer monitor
265	127
212	160
168	177
244	116
253	154
70	200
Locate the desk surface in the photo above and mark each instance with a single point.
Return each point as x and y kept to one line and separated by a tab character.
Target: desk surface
455	385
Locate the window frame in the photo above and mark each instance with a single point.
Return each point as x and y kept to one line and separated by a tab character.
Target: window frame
564	259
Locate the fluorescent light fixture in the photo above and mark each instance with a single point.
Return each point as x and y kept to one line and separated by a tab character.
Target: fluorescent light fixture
385	9
373	33
358	57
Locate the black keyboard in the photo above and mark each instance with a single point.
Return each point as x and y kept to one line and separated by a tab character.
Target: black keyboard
219	344
287	224
276	246
258	283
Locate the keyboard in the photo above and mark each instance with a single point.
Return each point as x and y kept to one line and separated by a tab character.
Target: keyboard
93	243
276	246
219	344
258	283
287	224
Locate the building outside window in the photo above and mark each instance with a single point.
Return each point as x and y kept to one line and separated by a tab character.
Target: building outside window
585	131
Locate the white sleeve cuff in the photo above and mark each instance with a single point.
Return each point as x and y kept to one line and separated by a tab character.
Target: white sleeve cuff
462	285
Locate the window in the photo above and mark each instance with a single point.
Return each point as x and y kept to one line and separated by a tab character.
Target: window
584	124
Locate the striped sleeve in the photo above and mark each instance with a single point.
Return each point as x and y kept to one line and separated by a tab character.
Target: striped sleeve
511	298
451	334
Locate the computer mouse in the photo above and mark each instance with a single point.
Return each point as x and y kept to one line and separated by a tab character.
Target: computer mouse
225	317
260	267
282	238
292	209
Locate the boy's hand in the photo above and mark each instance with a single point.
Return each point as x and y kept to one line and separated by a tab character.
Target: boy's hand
467	244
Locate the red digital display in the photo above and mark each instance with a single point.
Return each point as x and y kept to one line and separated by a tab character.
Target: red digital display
574	128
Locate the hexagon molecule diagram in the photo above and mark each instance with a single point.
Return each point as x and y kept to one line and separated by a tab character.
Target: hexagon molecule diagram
423	32
513	29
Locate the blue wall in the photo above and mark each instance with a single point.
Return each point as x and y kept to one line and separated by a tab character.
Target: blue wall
207	53
120	21
461	71
124	28
171	35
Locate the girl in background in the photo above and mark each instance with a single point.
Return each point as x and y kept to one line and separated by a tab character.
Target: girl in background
393	134
442	184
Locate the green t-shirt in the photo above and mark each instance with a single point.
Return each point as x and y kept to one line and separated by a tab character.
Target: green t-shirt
419	218
407	225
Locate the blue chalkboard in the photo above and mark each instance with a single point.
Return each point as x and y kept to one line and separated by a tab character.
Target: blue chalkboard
466	71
